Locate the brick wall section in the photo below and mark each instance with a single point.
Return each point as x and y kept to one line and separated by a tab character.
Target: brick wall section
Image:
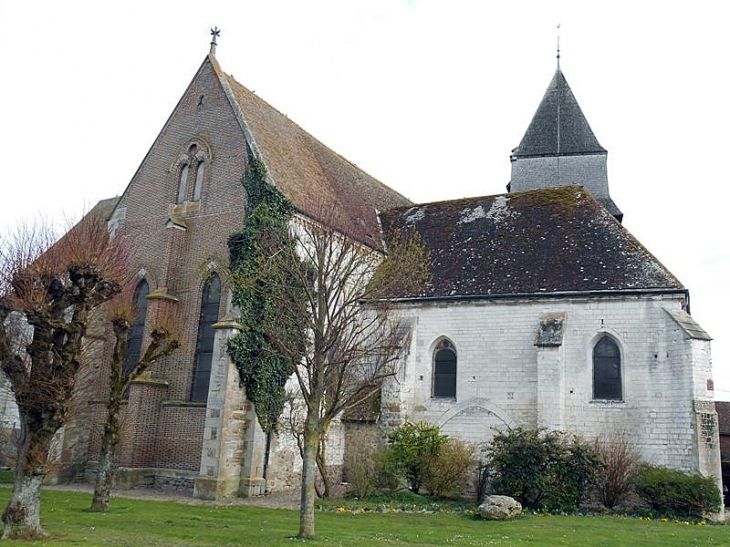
156	434
180	437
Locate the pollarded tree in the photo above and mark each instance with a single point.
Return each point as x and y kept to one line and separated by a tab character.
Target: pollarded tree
314	304
123	368
54	287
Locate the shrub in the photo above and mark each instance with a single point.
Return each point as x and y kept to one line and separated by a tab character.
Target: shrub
673	492
621	462
412	446
578	467
362	467
543	470
448	473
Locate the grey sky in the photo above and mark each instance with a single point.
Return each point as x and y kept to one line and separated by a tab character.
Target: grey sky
429	97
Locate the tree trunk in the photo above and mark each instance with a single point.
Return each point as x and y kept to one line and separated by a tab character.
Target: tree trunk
22	516
322	466
105	471
309	476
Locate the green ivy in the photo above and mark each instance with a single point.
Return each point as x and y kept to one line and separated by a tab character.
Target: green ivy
259	275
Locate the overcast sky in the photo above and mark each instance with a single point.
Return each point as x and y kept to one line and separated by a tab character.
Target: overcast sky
427	96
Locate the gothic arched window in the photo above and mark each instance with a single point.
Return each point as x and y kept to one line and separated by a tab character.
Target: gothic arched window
206	335
444	370
134	342
607	370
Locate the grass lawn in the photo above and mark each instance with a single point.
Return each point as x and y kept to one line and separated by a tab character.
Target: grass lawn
67	520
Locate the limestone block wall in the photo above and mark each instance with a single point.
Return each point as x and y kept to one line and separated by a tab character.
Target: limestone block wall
497	371
285	462
589	171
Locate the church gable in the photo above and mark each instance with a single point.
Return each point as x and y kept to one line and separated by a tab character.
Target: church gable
541	242
198	157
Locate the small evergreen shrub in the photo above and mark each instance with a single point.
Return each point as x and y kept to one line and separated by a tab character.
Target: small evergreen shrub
672	492
543	470
412	447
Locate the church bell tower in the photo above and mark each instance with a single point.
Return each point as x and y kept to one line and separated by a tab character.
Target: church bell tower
560	149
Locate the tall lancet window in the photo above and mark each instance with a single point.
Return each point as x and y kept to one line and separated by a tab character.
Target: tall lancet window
206	335
182	188
607	370
444	370
136	335
199	181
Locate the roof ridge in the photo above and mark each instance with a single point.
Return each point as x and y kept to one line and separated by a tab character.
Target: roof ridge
508	195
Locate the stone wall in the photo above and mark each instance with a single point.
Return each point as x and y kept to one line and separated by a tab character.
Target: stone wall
498	377
588	170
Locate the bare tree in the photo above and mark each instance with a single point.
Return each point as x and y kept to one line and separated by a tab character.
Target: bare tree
163	340
352	338
55	287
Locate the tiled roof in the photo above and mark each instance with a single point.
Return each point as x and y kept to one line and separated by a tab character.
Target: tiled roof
723	416
321	184
690	327
559	126
528	243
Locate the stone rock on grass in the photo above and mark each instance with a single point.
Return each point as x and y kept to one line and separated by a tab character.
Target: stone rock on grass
499	508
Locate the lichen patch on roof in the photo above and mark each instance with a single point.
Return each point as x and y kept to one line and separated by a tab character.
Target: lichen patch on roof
537	242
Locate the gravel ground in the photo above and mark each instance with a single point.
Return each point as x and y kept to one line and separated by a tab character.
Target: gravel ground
282	500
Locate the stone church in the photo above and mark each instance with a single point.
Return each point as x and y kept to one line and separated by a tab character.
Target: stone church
543	310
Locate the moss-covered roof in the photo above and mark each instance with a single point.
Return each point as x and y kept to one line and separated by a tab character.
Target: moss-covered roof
559	126
537	242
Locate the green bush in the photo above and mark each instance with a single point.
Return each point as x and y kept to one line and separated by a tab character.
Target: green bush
672	492
448	473
412	447
543	470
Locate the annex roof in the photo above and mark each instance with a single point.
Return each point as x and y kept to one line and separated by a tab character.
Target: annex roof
322	184
538	242
723	416
691	328
559	126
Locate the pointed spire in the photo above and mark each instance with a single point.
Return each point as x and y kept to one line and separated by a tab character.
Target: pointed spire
214	32
558	46
559	126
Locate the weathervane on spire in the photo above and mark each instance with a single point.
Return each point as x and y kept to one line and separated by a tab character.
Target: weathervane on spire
558	46
214	32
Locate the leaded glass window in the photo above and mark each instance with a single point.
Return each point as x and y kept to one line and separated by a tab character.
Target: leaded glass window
206	336
444	370
607	370
136	334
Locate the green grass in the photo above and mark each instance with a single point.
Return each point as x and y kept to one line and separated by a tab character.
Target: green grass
6	476
66	518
